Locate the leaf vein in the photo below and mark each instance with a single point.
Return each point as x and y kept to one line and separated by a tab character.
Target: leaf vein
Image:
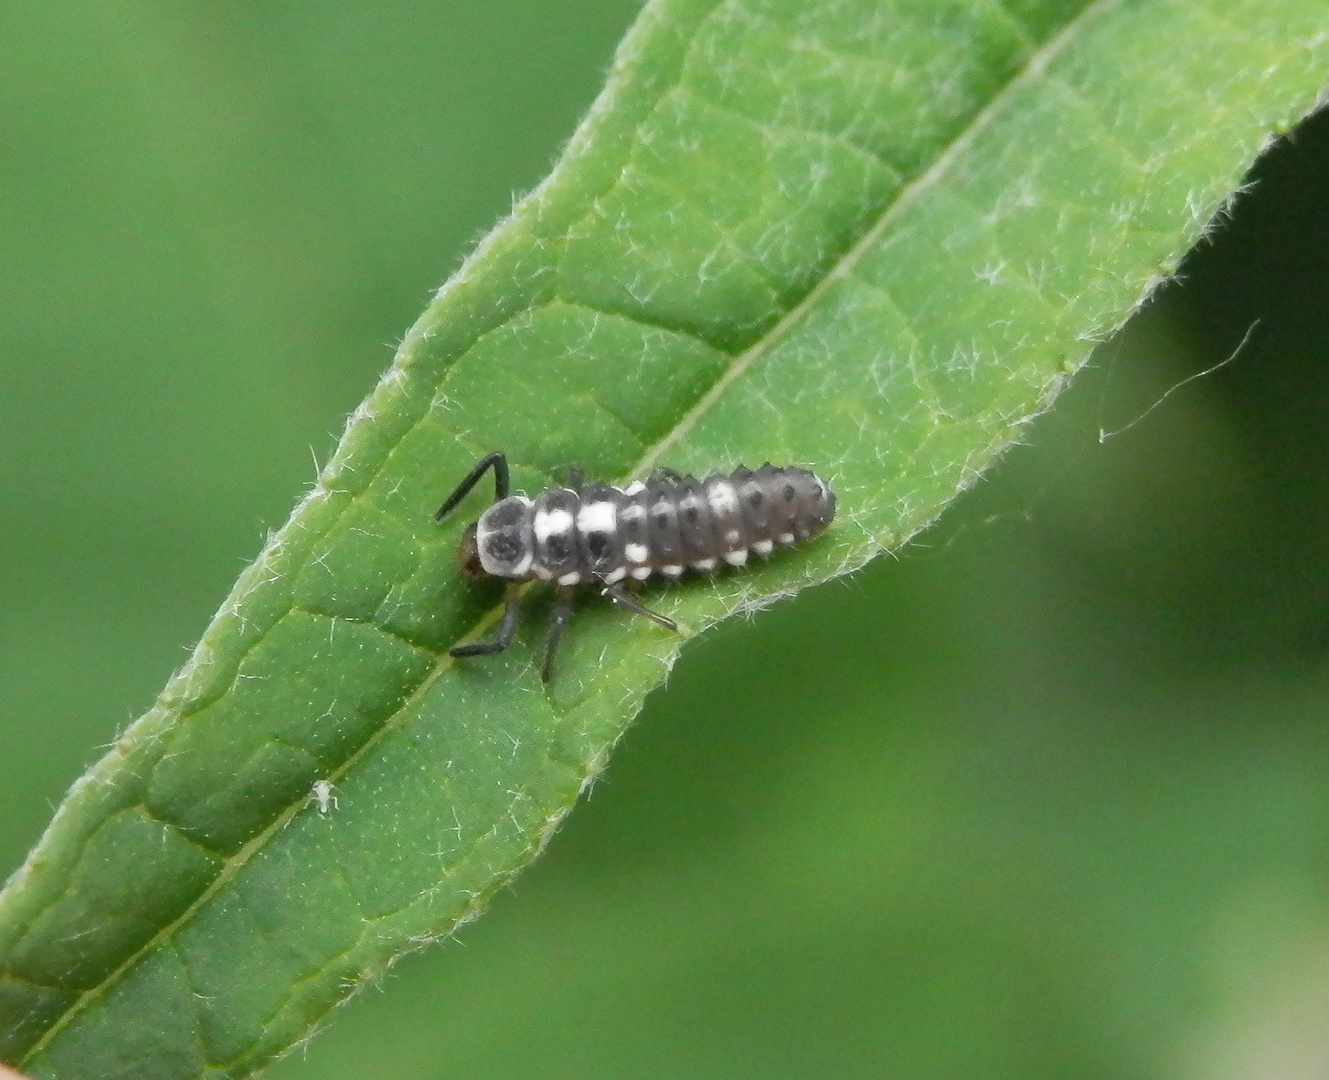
1033	70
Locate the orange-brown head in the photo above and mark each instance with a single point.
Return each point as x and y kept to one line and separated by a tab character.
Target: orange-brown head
468	553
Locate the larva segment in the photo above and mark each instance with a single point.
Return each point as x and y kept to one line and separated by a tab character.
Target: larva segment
664	540
599	534
754	506
731	543
696	530
557	556
633	529
797	505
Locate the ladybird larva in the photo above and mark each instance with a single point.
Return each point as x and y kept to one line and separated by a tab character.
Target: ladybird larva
607	536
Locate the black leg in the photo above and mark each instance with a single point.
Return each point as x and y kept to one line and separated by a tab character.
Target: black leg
616	593
506	628
558	619
576	477
663	473
499	462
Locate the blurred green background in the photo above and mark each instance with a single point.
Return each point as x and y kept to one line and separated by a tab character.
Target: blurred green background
1045	796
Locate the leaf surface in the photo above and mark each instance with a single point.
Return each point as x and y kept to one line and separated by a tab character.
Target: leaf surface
872	238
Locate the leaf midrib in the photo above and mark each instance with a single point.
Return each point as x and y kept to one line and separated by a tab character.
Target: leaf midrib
1034	67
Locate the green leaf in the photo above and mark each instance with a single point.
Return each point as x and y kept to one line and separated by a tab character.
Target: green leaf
871	238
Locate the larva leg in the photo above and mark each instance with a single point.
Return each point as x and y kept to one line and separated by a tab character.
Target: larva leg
496	461
619	596
664	473
506	629
558	619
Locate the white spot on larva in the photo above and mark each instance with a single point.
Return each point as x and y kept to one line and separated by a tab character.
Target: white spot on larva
552	523
636	552
731	537
704	565
616	575
671	571
641	573
722	497
634	487
632	513
786	538
689	502
524	567
570	579
322	795
763	547
736	558
543	573
596	517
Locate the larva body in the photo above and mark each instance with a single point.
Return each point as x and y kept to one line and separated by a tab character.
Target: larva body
612	537
664	526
